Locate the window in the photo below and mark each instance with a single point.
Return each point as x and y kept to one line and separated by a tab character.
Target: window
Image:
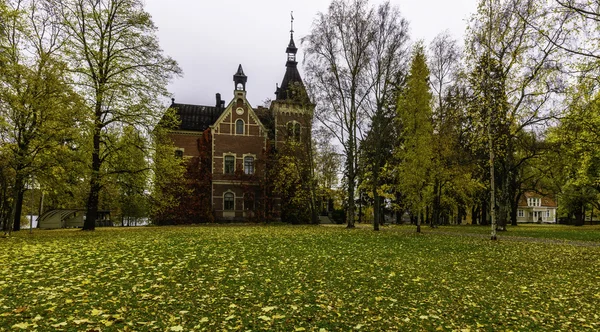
534	202
290	130
228	202
229	164
239	127
293	131
249	165
521	214
547	214
179	154
297	132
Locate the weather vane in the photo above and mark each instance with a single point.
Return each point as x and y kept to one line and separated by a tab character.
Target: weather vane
292	23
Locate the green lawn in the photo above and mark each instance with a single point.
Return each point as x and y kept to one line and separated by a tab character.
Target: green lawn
545	231
295	278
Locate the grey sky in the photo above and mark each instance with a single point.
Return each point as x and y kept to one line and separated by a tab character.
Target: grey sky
209	38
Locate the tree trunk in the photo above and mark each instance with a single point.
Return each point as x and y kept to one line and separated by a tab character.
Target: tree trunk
436	203
351	177
579	216
376	209
17	205
484	209
95	184
419	214
40	208
513	212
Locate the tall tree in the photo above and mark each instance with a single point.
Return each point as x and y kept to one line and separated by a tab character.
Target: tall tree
354	52
444	64
120	69
388	58
37	104
502	37
415	151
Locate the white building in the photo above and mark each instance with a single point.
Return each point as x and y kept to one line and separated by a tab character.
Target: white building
536	208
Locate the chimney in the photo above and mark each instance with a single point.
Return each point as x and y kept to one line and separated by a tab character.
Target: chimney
219	101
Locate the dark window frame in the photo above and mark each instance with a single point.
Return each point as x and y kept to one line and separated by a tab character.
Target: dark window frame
229	169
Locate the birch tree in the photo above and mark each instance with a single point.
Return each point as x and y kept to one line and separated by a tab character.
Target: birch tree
502	37
336	62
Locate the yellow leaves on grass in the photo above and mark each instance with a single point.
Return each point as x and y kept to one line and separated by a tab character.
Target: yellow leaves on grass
291	278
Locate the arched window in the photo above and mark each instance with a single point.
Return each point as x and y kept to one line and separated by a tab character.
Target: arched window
290	130
239	127
228	202
229	164
297	132
249	165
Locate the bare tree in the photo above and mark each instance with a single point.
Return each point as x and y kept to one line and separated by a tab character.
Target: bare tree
387	64
337	63
444	64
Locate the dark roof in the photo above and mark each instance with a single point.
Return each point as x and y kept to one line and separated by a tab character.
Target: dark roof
292	87
266	118
197	117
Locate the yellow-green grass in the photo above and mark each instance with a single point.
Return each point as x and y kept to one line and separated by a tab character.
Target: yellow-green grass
292	278
541	231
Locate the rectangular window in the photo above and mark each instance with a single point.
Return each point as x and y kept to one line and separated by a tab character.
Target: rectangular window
229	164
249	165
521	214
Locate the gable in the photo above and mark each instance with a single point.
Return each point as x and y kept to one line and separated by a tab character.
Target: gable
239	109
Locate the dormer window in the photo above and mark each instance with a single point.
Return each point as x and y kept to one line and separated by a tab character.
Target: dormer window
534	201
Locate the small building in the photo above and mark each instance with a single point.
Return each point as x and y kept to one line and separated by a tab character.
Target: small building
71	218
536	208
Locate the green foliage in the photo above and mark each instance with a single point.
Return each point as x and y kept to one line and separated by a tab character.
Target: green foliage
167	172
415	151
296	278
292	183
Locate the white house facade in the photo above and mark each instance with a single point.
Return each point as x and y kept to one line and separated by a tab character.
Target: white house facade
536	208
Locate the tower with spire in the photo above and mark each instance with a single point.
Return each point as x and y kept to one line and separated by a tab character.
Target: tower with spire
292	108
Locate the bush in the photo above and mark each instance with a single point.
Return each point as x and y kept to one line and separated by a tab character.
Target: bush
339	216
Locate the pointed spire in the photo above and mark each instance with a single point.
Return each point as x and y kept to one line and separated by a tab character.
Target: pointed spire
291	49
291	87
240	79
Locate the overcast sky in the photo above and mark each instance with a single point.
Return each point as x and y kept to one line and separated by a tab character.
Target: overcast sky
210	38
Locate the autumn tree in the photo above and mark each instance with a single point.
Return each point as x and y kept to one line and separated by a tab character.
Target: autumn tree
505	47
415	150
119	67
39	109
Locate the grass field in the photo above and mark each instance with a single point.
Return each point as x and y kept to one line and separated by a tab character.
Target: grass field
299	278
